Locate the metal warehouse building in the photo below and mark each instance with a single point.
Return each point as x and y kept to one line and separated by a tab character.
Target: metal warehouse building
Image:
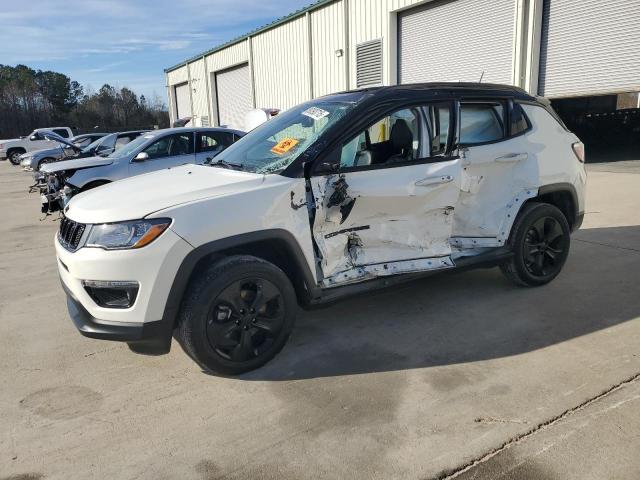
582	50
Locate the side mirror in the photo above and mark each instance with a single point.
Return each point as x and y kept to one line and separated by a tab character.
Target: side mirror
141	157
33	138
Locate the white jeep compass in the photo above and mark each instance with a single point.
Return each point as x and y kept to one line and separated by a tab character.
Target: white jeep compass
337	196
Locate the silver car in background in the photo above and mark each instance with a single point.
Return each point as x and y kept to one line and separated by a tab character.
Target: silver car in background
71	147
151	151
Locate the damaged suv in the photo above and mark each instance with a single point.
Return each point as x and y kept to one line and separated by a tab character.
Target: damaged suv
340	195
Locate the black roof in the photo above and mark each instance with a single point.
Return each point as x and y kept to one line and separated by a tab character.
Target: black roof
469	88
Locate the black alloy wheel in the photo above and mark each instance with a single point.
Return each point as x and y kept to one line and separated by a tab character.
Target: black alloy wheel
246	319
237	314
544	246
540	240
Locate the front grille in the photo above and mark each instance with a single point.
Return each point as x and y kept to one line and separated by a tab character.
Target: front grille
70	233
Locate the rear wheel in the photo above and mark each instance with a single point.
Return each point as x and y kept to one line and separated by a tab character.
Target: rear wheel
237	315
540	241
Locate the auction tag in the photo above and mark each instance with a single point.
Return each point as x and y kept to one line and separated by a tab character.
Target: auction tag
315	113
284	145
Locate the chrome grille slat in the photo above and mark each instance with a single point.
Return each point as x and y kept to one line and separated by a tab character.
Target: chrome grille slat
70	233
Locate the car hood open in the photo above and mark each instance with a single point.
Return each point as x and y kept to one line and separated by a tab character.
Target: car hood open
139	196
76	164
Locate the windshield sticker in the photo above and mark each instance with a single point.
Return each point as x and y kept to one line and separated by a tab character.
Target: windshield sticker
284	145
315	113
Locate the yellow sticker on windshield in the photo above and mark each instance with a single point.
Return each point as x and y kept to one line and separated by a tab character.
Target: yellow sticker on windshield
284	145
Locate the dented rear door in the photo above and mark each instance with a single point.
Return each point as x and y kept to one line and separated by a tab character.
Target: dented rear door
393	217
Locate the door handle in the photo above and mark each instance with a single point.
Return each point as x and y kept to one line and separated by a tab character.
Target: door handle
512	158
428	181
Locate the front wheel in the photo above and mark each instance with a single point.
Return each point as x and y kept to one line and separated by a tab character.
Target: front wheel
14	157
237	315
540	241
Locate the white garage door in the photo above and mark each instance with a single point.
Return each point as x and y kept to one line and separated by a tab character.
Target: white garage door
183	101
589	47
457	41
233	93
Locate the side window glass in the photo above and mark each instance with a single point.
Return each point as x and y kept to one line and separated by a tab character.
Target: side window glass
171	145
519	122
122	141
437	117
481	122
393	139
62	132
209	142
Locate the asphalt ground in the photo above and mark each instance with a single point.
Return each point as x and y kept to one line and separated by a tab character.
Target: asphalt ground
460	375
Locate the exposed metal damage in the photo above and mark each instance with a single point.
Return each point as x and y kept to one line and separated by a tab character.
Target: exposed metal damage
353	244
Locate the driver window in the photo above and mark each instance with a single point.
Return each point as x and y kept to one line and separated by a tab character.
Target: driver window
171	145
393	139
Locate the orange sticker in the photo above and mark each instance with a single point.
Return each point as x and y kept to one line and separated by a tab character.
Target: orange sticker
284	145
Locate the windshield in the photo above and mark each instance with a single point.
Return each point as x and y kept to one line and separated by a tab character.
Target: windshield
132	146
274	145
93	145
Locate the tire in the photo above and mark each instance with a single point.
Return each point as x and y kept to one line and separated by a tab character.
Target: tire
44	161
14	156
226	326
540	241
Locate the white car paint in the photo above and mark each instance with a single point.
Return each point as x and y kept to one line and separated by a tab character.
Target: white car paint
25	144
417	217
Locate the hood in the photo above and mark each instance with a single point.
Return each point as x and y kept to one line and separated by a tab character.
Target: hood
139	196
76	164
6	140
43	153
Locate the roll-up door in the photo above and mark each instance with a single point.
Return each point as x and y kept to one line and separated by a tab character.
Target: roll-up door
589	47
183	101
233	93
460	40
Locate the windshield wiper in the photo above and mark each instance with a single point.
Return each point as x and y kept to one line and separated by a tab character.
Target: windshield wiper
224	164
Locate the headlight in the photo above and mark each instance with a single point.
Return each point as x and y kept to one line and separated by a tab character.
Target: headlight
122	235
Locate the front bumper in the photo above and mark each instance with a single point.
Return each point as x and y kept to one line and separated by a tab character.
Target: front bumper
3	154
144	326
152	338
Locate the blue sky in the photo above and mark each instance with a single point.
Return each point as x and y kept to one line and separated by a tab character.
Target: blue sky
125	43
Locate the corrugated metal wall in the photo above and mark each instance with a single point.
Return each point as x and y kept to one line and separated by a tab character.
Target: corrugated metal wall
199	89
281	65
229	57
328	36
590	47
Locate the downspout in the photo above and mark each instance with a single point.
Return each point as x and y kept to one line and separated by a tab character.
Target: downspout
347	61
206	82
310	46
190	90
251	70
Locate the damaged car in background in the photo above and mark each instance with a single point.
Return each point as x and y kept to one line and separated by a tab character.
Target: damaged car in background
101	146
66	148
153	150
337	196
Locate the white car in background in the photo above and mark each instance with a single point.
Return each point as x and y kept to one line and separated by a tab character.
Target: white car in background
14	148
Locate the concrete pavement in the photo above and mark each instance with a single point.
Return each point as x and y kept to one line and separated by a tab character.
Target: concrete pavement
455	375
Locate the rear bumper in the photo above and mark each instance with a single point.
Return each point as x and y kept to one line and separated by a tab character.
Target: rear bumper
153	338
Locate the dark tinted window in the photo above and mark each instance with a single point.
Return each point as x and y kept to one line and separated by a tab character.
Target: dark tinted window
481	122
519	122
62	132
171	145
213	141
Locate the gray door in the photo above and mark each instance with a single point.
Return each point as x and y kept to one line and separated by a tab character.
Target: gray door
233	94
183	101
457	41
168	151
589	47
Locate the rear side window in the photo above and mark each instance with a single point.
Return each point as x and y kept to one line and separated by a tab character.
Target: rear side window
481	123
519	123
62	132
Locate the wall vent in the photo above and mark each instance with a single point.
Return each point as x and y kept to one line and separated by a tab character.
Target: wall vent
369	63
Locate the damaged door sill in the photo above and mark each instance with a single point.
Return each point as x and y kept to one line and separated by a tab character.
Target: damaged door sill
367	272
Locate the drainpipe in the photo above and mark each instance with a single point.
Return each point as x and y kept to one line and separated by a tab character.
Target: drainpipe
206	83
347	55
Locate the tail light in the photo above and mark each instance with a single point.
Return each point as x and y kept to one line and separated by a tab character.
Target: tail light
578	149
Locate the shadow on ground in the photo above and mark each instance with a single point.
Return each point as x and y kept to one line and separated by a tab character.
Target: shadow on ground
465	317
